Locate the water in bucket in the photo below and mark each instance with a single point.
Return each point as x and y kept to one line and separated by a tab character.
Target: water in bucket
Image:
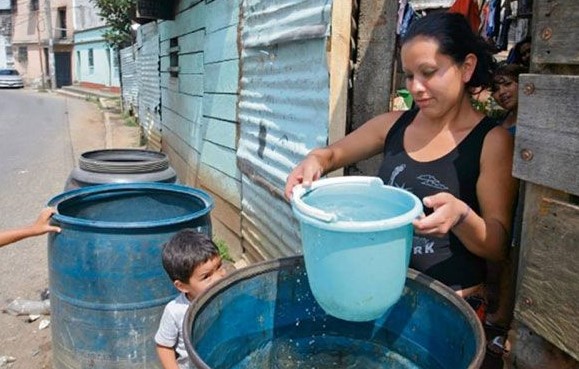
357	237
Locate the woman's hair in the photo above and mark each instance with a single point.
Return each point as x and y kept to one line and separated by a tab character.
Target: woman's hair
515	56
456	40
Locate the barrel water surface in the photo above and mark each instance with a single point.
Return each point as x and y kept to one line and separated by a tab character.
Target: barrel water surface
107	284
266	317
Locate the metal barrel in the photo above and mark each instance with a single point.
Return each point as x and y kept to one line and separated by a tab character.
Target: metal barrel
107	284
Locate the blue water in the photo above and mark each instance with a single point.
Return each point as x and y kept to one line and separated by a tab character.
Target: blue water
326	352
358	207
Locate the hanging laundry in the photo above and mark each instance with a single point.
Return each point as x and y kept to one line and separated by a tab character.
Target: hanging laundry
402	4
506	16
468	8
409	16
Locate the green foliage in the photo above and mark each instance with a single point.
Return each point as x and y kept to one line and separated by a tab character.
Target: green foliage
117	15
223	250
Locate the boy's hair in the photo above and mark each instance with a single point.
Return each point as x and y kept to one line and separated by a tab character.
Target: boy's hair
185	251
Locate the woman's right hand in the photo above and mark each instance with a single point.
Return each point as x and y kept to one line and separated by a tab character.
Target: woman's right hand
307	171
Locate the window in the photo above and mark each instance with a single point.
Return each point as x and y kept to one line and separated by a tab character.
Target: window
91	61
22	54
115	60
174	57
61	31
34	5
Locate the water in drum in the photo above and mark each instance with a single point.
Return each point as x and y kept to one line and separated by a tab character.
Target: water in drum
327	352
355	208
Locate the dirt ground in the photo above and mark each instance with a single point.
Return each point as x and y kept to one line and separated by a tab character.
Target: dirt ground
23	345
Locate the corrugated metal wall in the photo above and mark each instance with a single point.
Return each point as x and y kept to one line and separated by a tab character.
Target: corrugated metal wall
199	102
129	78
149	106
283	113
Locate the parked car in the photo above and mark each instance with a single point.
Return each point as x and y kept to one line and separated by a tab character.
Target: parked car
10	78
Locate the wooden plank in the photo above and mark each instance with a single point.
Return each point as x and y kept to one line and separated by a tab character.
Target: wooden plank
375	52
222	77
221	45
224	13
339	65
555	32
547	295
547	140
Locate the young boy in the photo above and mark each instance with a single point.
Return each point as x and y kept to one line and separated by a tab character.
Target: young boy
192	261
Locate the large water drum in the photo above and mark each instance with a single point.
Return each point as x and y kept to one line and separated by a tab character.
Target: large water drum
265	317
107	284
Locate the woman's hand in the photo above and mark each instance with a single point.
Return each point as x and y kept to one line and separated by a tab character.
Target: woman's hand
448	212
309	170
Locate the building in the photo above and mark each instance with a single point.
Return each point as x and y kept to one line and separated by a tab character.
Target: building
96	64
5	34
36	24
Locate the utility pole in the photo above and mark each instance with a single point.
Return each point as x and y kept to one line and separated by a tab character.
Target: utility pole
40	51
51	70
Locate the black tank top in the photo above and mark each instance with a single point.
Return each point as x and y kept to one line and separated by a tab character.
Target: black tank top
445	259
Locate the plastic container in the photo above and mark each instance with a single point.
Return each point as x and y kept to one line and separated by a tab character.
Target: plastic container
265	317
120	166
357	237
107	284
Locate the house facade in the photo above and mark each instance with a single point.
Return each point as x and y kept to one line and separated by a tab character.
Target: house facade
96	64
36	24
6	34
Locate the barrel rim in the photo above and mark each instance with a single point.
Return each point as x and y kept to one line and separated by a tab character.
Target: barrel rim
328	221
96	189
298	261
149	161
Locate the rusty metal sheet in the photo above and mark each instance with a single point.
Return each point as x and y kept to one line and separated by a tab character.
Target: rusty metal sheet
283	112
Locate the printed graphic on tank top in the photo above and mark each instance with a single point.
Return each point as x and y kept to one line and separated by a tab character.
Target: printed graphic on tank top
445	259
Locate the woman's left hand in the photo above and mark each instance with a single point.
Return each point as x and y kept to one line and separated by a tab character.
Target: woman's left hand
447	212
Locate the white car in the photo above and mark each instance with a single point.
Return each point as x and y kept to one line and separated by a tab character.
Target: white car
10	78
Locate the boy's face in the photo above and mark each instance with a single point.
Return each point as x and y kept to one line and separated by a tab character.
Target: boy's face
204	275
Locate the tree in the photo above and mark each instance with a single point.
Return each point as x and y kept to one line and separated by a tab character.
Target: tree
117	15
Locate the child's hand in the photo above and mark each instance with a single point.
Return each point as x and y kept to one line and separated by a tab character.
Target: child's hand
42	224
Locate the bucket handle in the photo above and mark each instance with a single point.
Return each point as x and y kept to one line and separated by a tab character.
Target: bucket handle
299	191
308	210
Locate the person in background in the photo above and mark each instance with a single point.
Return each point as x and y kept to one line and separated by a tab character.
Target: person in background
505	91
193	263
504	88
39	227
455	159
521	53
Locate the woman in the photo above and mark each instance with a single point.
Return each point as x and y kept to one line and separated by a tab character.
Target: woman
505	91
521	53
448	154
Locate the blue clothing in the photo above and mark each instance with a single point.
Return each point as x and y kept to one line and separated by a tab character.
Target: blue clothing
445	259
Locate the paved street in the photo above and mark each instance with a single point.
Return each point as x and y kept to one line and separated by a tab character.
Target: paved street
37	133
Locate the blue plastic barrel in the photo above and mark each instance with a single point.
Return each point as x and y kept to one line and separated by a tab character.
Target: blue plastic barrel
266	317
107	284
